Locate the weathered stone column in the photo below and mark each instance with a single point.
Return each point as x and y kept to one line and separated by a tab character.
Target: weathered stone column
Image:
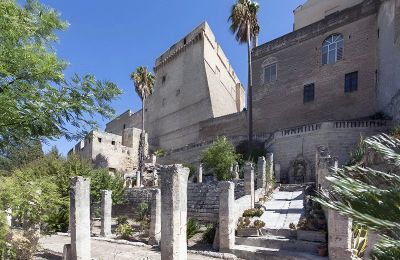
270	164
155	219
261	173
249	182
339	236
226	216
137	179
66	252
236	171
200	173
106	206
174	179
9	217
277	172
79	196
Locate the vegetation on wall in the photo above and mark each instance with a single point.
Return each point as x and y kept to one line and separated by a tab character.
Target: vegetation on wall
371	197
250	154
219	158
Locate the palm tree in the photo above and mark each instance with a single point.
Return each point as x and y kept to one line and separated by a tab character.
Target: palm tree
244	25
143	81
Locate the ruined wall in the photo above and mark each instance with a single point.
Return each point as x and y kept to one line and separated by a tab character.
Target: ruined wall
339	137
389	58
123	121
105	150
203	200
279	104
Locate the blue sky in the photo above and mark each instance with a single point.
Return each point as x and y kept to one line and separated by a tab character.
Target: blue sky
111	38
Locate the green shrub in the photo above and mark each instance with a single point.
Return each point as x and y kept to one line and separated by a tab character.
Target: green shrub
219	157
259	224
257	150
159	152
143	210
122	220
253	213
124	231
192	228
209	234
244	222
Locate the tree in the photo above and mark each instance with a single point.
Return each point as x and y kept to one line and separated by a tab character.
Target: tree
371	197
143	81
244	25
219	158
37	101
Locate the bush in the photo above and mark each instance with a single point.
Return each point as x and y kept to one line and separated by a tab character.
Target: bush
159	152
257	150
122	220
192	228
253	213
124	231
219	157
244	222
209	234
143	211
259	224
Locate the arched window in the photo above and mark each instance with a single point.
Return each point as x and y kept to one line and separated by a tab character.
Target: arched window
332	49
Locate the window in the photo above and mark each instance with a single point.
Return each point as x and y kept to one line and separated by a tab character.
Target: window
163	79
124	126
332	49
99	139
308	95
270	73
113	142
351	82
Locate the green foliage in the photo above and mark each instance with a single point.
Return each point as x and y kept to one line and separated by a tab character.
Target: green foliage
143	81
358	153
253	213
209	234
259	224
257	150
244	222
219	157
192	169
192	228
6	251
37	100
371	197
159	152
143	210
122	220
243	13
124	231
395	131
360	239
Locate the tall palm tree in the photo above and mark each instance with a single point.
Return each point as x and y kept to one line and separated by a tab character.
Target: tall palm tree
143	81
244	25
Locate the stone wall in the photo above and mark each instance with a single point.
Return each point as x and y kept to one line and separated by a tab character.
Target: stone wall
123	121
279	104
203	200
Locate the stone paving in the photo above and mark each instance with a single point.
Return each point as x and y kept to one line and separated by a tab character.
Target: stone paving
284	208
103	250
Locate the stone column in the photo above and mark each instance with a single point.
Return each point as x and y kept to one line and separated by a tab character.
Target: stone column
339	236
9	217
236	171
249	182
261	173
79	196
270	164
137	179
324	169
106	206
200	173
66	252
277	172
226	216
155	219
174	179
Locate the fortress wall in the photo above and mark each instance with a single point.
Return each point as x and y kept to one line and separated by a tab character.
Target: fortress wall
123	121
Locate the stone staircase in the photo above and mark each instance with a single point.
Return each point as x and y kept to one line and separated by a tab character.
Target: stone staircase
278	241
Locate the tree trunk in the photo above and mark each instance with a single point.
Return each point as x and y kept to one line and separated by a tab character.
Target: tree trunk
142	144
249	89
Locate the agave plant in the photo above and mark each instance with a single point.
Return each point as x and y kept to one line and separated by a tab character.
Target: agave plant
371	197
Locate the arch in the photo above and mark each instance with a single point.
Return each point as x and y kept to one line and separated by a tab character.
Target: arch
332	49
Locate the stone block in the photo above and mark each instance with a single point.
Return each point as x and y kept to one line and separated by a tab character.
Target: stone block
155	221
249	182
226	216
106	207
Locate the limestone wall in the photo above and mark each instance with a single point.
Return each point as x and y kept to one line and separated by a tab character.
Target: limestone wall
279	104
340	137
203	200
123	121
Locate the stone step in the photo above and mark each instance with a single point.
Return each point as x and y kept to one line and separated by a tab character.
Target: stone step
283	232
261	253
279	242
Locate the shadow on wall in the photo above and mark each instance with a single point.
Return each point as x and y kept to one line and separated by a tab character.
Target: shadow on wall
100	161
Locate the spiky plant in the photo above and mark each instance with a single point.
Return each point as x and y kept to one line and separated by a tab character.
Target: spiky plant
371	197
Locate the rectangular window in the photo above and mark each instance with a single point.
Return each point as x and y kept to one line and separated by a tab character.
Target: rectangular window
351	82
308	95
270	73
113	142
99	139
